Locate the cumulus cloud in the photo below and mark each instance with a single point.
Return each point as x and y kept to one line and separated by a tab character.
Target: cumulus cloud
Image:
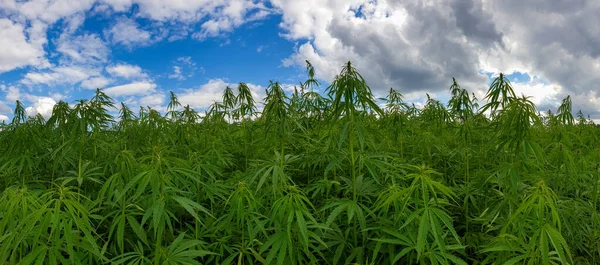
176	73
48	11
184	67
136	88
194	10
4	118
156	99
564	49
58	75
218	16
42	106
152	99
4	108
119	5
407	45
542	94
83	49
23	36
51	11
211	92
18	50
414	46
127	32
186	60
81	57
420	45
476	23
125	71
96	82
13	93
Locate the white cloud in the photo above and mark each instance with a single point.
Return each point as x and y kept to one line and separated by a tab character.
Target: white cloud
51	11
125	71
541	93
213	28
57	96
13	94
126	32
187	60
211	92
135	88
59	75
419	46
412	46
406	45
24	38
79	58
4	108
74	22
96	82
176	73
119	5
18	50
3	118
83	49
42	106
156	99
38	104
40	78
205	95
194	10
588	102
570	34
184	67
152	99
23	45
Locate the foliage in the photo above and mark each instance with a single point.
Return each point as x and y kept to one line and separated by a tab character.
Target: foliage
332	178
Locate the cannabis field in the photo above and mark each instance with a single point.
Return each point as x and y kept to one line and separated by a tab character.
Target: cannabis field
338	177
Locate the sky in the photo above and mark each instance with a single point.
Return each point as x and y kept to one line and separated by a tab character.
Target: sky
139	50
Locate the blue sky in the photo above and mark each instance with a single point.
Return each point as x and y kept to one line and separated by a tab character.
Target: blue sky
252	53
138	50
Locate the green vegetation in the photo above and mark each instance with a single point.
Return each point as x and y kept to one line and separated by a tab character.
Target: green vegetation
312	179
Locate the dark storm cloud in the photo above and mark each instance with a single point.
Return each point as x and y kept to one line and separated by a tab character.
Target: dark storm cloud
560	39
419	45
425	55
475	23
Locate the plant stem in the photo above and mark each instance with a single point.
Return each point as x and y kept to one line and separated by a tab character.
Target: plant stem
352	161
595	209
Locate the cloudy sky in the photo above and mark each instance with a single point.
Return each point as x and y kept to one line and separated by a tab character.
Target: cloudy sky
138	50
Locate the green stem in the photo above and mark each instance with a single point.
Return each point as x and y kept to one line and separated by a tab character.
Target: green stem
467	185
79	173
158	247
122	247
595	209
352	161
282	152
245	126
